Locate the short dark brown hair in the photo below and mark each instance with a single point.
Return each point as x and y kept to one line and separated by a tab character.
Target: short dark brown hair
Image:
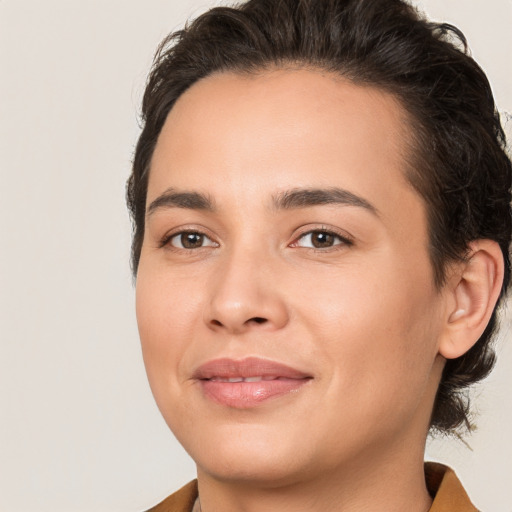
458	162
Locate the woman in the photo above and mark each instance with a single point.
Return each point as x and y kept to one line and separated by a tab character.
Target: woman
321	204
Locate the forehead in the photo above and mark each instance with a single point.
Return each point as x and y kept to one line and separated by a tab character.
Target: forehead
278	129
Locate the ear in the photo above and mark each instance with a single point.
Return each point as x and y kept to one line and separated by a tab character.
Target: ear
474	288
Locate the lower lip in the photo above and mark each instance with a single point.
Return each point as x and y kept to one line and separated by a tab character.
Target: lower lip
244	395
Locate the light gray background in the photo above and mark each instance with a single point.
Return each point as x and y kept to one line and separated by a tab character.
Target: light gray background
78	427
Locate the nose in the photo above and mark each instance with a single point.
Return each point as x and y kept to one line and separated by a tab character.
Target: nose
245	295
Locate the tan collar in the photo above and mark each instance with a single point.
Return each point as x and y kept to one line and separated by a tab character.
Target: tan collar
181	501
445	487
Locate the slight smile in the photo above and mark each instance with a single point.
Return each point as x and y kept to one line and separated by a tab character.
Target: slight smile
243	384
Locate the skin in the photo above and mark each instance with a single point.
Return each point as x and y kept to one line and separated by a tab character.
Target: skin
362	317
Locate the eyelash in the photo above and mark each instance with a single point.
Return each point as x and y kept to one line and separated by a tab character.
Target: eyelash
344	241
166	240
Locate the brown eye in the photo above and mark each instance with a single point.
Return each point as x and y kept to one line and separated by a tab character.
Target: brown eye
321	240
190	240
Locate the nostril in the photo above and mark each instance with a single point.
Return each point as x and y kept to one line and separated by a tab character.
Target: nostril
258	320
234	325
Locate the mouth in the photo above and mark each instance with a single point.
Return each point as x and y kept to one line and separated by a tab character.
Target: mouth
243	379
246	383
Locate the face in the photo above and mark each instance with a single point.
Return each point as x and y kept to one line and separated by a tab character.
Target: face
285	298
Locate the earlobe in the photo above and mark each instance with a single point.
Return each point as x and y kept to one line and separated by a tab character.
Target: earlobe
476	285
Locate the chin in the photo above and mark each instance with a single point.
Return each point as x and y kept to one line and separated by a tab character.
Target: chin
266	471
246	455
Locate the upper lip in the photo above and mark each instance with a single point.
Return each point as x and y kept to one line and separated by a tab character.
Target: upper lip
248	367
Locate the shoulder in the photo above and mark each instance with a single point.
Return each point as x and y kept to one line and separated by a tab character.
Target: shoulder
446	489
181	501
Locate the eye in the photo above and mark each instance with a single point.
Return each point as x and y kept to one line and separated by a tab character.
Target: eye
190	240
320	239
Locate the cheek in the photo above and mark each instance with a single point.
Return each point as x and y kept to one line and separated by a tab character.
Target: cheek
165	317
167	305
376	333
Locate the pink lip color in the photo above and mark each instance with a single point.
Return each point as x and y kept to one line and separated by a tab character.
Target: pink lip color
277	380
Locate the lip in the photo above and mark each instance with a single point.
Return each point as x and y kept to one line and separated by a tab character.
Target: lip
220	380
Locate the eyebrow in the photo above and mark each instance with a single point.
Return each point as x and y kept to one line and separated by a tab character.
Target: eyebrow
172	198
306	197
288	200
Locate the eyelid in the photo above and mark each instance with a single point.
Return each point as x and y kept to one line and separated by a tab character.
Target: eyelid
345	238
204	238
165	240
